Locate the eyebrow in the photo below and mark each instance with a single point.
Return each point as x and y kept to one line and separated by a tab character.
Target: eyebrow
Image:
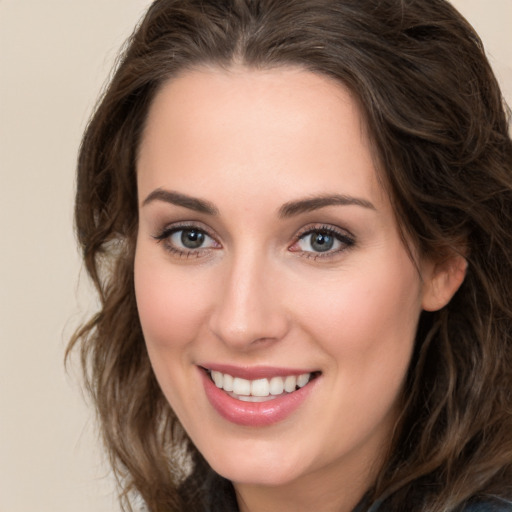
178	199
287	210
314	203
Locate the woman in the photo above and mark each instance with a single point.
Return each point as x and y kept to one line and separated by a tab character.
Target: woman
298	216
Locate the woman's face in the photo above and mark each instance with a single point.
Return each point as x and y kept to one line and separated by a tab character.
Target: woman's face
269	258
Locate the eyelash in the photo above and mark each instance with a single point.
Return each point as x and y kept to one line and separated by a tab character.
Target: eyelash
344	238
168	232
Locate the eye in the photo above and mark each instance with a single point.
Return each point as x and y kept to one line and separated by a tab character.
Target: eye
186	241
190	238
324	241
318	242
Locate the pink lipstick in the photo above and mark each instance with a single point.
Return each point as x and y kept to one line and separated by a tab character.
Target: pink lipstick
256	397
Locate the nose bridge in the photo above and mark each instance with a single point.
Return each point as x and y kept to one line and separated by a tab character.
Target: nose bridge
248	307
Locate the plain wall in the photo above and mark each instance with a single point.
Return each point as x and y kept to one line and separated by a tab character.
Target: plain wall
54	57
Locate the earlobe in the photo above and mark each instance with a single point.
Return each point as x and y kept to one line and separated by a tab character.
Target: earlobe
443	281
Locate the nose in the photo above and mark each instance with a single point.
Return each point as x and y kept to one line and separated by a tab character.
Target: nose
249	309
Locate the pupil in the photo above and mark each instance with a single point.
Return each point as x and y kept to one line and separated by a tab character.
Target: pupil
192	239
322	242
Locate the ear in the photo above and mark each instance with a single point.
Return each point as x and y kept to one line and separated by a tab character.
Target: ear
441	280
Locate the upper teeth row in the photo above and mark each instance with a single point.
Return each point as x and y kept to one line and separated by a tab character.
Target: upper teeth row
259	387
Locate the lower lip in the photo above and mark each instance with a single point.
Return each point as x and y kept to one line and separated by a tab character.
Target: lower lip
254	414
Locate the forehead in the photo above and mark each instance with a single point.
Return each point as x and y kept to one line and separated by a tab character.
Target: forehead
285	129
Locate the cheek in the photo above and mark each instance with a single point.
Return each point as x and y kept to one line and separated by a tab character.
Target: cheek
367	325
368	316
169	305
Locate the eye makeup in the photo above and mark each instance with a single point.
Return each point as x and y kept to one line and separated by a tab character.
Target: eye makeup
322	241
187	240
317	241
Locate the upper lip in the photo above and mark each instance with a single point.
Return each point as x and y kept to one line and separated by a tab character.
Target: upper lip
255	372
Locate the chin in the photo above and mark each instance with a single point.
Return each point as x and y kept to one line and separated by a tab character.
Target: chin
252	467
256	475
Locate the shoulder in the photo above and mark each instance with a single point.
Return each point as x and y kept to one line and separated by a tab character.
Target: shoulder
490	505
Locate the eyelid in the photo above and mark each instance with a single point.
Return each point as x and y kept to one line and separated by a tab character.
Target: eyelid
312	228
344	236
177	226
166	232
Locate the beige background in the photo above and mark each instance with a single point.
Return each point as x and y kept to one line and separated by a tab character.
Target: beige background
54	56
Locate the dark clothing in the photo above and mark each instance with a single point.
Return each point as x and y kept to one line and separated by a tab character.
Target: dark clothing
496	505
222	499
492	504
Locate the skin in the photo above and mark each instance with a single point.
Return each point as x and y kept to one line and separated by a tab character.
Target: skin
258	293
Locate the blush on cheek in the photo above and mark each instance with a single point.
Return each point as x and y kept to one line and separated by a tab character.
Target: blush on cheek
365	319
168	307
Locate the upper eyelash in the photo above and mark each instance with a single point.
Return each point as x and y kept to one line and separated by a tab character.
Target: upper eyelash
165	233
170	230
344	236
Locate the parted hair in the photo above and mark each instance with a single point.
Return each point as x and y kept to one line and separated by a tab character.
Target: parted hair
439	131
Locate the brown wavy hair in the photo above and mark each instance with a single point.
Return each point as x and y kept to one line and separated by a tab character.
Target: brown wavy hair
439	129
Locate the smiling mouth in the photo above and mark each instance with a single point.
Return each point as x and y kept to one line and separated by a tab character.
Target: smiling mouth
259	390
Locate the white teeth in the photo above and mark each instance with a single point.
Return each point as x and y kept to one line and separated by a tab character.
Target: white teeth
218	378
260	387
302	380
241	386
259	390
290	383
228	382
276	385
